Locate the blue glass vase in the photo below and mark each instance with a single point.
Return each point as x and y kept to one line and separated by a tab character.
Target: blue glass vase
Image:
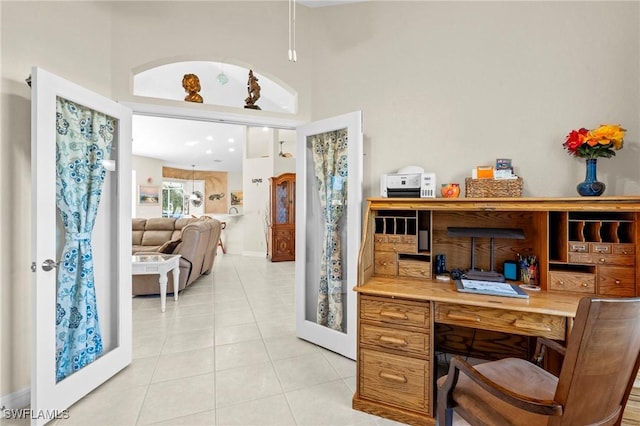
591	187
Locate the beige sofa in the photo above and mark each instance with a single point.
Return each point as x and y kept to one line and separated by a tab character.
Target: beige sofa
197	247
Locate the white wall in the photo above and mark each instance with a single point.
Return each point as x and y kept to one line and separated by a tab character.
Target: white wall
451	85
257	168
148	172
445	85
31	34
284	164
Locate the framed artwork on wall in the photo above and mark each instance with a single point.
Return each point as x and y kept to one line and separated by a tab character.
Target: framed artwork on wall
236	198
148	195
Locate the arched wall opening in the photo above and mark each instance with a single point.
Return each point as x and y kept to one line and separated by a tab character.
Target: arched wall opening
222	84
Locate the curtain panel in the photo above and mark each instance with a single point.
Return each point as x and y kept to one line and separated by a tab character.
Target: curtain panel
329	152
83	141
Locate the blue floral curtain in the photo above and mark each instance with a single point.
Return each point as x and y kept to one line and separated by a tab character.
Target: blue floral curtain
330	163
83	140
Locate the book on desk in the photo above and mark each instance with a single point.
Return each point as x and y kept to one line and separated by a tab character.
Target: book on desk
490	288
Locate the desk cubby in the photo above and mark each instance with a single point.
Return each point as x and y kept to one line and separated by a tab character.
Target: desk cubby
398	246
602	244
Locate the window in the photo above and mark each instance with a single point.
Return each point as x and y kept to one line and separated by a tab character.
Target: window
173	201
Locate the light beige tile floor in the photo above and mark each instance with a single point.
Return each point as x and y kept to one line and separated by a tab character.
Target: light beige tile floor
226	354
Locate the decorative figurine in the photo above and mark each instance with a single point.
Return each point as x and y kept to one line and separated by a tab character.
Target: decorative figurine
191	84
253	88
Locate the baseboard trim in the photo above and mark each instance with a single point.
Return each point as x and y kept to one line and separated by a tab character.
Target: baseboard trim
15	400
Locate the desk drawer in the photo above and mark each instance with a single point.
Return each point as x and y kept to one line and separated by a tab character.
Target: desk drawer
395	380
602	259
385	263
391	338
393	311
397	243
624	249
414	268
616	281
577	282
504	320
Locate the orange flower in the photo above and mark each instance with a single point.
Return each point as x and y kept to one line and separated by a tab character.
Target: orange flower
600	142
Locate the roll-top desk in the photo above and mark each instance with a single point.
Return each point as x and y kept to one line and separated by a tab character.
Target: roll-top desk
584	247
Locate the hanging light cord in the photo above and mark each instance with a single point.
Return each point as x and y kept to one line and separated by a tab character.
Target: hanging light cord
293	57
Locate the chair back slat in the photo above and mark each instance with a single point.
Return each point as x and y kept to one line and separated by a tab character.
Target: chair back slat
601	362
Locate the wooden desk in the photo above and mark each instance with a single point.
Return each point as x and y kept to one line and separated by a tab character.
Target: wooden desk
397	321
585	247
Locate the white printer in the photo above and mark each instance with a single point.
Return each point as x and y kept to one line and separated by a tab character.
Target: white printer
408	182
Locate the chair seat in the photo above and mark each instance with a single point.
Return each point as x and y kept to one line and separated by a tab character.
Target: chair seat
517	375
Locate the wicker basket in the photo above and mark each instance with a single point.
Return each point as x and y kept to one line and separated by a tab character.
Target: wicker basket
492	188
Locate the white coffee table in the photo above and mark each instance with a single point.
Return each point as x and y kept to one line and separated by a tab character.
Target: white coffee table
161	264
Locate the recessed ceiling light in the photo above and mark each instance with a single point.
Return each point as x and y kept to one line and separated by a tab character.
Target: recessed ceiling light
191	143
231	140
209	151
231	149
265	129
217	161
209	138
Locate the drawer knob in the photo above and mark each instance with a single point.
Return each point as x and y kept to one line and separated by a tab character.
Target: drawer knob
394	315
384	263
561	282
625	252
585	285
618	281
395	377
602	259
393	340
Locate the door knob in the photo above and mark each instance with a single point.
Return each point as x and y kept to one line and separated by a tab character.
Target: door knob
49	264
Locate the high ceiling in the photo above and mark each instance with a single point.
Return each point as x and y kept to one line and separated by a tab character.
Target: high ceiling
182	143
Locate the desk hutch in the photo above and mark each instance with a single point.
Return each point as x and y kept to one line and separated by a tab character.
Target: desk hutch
584	247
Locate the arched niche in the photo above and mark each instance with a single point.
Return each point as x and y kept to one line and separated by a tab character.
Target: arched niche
222	84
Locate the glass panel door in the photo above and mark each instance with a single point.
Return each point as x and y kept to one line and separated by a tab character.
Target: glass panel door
328	214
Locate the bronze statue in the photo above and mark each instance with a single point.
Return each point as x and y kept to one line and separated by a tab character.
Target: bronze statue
191	84
253	88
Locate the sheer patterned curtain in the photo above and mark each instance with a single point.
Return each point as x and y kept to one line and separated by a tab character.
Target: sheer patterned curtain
83	140
329	152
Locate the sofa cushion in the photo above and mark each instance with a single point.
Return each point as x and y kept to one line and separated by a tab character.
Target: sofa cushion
169	247
156	238
160	224
137	231
182	222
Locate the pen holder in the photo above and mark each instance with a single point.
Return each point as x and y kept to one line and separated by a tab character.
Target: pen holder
528	274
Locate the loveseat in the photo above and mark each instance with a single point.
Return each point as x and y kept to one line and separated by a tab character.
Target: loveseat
195	239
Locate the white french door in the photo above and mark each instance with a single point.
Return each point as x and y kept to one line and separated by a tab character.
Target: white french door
111	249
310	235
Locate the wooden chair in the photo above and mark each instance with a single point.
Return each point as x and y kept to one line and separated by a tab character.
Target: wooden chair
600	365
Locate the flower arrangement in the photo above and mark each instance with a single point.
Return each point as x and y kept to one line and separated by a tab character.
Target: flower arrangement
601	142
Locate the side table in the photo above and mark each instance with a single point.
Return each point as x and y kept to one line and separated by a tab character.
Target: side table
149	264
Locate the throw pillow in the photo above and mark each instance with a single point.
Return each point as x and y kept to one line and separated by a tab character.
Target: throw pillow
169	246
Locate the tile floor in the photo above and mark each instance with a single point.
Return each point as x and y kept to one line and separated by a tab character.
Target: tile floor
226	354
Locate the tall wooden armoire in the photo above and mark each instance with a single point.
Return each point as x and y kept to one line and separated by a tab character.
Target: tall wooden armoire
281	245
